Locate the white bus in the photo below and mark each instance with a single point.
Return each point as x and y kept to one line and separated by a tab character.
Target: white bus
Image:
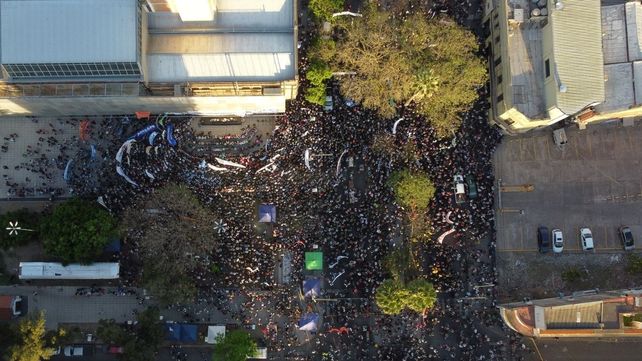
56	271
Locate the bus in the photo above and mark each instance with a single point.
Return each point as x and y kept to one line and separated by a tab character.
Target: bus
56	271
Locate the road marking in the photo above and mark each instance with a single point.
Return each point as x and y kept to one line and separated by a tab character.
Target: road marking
588	141
537	349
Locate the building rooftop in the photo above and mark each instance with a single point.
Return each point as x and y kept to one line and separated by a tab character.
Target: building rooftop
249	41
68	31
622	56
526	64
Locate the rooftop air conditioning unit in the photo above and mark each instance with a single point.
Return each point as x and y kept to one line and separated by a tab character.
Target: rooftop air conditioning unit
518	15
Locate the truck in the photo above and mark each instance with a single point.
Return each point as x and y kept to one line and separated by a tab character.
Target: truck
10	307
460	189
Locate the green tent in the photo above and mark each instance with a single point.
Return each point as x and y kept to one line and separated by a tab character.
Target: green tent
313	261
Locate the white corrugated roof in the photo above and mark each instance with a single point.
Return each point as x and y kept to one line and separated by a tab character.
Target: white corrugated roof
44	270
68	31
577	45
221	57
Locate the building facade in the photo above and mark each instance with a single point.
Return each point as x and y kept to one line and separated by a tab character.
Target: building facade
202	57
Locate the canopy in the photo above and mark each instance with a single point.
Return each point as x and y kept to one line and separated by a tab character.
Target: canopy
312	287
313	261
213	332
173	331
267	213
188	332
309	322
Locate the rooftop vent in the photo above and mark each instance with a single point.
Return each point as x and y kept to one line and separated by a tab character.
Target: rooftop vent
559	5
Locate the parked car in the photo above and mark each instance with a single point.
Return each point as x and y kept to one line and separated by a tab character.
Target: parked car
626	236
472	186
74	351
328	104
116	349
543	243
587	239
558	241
460	189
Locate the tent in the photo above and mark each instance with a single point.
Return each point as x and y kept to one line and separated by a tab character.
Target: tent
313	261
188	332
213	332
267	213
309	322
173	331
312	287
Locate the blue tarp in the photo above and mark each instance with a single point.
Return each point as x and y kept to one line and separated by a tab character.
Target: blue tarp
267	213
312	287
309	322
173	331
188	333
113	247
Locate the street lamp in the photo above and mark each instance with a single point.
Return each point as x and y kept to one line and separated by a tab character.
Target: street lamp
14	228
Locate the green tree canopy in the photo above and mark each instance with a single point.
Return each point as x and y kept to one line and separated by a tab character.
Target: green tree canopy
421	295
236	345
171	228
111	332
323	9
77	231
26	219
413	190
431	63
168	284
392	296
31	341
318	73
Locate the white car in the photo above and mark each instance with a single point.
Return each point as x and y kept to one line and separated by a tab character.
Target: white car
558	240
587	239
73	351
460	190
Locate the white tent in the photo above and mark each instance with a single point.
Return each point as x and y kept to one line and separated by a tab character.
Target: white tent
213	332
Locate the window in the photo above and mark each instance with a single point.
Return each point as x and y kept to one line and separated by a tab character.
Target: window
547	68
498	61
500	98
499	79
497	39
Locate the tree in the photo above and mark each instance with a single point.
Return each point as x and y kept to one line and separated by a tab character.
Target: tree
236	345
318	73
169	285
421	295
173	232
111	332
392	296
77	231
323	9
401	61
140	343
413	190
31	341
26	219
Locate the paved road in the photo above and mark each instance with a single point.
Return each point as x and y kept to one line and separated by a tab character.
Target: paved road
61	305
617	349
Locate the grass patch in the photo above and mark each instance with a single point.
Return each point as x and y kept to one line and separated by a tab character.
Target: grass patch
628	320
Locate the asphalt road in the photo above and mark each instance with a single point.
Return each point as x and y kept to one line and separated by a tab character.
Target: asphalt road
585	349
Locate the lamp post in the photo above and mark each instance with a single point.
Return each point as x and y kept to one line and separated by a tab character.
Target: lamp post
14	228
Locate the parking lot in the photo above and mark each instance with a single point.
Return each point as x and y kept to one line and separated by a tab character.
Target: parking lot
595	181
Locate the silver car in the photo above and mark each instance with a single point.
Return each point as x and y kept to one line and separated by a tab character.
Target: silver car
626	236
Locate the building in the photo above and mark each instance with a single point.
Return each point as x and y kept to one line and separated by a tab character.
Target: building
582	314
93	57
562	60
